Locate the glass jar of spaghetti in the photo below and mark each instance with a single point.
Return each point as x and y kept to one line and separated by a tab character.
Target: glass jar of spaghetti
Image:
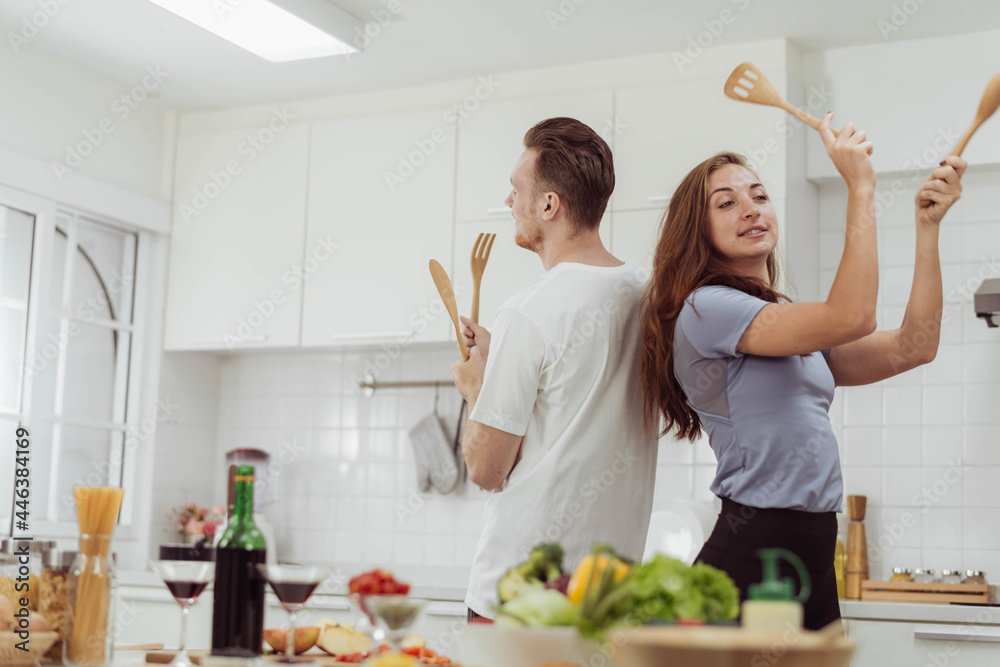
90	598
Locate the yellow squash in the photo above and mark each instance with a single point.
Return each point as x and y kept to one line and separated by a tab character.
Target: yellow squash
590	571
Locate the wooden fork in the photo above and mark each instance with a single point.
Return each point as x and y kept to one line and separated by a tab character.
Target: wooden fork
480	255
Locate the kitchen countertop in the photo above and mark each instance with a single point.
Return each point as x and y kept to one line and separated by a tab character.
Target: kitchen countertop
137	580
923	613
850	609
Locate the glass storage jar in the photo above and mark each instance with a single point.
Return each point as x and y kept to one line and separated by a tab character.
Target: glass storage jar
90	598
901	574
56	565
974	577
951	577
924	576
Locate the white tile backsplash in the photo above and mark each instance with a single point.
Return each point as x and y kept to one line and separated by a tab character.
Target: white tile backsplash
981	444
901	406
942	445
981	486
942	405
351	493
940	456
862	445
901	446
863	406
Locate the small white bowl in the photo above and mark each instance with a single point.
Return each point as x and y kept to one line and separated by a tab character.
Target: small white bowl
487	645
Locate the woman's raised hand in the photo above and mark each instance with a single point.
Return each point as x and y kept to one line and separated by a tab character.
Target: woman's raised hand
941	189
850	151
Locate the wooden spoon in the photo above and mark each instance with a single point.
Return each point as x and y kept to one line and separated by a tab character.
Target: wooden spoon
748	84
444	288
987	107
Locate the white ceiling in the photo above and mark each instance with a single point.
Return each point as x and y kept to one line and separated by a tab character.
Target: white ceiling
431	40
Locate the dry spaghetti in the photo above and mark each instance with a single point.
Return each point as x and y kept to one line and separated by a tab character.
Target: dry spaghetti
97	510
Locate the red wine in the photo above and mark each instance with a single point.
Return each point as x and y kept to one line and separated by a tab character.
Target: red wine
294	592
186	590
238	611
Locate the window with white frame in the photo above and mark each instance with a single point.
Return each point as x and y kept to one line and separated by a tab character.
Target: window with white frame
76	389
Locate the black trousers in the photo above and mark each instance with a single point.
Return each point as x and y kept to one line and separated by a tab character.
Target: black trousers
812	536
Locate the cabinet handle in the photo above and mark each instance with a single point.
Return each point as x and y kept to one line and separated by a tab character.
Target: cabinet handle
657	198
498	210
955	635
222	339
378	334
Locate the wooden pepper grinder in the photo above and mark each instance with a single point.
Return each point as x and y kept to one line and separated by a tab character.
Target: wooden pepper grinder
857	547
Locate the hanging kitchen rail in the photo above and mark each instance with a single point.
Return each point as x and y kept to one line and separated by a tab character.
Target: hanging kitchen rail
369	385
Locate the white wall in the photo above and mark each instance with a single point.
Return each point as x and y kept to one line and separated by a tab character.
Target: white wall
50	106
184	458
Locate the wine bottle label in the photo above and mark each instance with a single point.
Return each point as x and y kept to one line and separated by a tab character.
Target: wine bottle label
244	478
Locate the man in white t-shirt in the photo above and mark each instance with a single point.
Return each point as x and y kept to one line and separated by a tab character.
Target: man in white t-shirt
555	427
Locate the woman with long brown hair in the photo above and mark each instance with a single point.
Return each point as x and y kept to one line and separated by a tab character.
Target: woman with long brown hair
725	352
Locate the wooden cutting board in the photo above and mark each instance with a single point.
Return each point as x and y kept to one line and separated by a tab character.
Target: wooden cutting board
164	658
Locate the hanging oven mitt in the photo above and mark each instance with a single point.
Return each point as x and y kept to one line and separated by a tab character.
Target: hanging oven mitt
434	455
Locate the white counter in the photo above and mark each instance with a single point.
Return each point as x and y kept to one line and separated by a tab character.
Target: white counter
919	613
129	658
134	580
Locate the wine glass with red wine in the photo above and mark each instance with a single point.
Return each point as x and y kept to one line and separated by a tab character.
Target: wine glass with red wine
186	580
293	584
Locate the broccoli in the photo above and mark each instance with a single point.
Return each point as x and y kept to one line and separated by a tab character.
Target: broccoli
546	560
544	564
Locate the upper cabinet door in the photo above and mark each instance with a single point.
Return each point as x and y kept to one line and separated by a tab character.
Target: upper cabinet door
236	245
635	234
664	131
509	268
382	190
492	137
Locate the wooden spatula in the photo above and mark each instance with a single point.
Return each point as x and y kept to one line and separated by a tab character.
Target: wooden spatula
444	288
987	107
480	255
748	84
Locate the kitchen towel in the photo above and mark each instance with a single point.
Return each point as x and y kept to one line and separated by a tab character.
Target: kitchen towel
435	455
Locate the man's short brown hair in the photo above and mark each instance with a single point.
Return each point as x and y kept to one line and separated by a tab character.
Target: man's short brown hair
574	162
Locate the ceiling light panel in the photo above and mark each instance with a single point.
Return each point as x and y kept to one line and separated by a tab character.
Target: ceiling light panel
269	29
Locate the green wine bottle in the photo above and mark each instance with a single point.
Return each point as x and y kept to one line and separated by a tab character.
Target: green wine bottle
238	608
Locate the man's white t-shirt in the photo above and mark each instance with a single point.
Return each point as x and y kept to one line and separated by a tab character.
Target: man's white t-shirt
563	371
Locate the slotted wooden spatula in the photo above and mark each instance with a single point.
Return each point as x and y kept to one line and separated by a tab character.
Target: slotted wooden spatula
748	84
443	284
987	107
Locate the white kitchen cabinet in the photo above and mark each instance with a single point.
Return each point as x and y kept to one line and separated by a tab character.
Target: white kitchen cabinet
509	268
382	190
885	643
492	137
634	235
237	240
663	131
